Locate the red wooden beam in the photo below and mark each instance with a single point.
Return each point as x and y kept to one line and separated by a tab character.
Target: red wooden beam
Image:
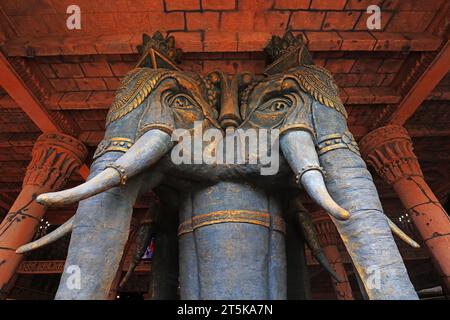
16	88
5	205
437	70
57	267
27	101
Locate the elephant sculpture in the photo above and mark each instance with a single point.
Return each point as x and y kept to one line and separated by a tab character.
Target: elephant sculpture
231	218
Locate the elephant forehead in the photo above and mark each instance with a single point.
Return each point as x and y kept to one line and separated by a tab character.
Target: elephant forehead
140	83
313	80
135	87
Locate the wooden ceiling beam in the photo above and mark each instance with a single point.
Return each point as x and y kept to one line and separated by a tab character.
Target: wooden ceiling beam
4	205
16	88
11	82
435	72
125	43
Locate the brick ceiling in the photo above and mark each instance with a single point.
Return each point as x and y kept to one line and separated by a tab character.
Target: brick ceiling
73	73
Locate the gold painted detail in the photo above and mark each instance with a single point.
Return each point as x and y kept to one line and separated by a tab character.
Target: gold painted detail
297	127
245	95
338	141
159	126
136	86
319	83
114	144
232	216
302	171
120	170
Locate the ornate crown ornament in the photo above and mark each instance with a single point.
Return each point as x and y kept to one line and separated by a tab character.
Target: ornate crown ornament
285	53
159	52
290	52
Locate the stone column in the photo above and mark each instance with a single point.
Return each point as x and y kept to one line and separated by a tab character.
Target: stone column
329	238
389	150
54	157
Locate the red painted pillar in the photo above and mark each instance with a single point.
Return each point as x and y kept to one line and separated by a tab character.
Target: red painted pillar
328	238
54	157
389	150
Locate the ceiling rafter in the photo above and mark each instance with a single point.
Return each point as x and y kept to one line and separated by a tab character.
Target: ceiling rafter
434	73
29	103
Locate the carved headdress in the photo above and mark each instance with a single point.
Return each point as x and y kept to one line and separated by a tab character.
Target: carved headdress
291	52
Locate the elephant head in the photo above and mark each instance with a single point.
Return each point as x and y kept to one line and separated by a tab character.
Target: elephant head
150	104
303	103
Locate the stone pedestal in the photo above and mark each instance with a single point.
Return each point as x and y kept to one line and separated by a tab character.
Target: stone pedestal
389	150
55	156
329	238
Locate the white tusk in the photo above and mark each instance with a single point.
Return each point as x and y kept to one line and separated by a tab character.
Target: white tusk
144	153
300	152
402	235
60	232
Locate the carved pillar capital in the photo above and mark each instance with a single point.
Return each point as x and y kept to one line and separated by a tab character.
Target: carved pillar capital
389	150
54	157
326	231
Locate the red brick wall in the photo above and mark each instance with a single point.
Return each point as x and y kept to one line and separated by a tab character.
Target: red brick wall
220	25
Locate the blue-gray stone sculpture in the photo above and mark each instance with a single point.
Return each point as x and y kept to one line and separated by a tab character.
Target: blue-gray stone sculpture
232	220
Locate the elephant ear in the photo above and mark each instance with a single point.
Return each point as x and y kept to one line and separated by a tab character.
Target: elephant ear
329	117
124	114
319	83
135	87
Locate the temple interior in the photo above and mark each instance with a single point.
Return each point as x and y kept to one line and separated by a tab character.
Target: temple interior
58	80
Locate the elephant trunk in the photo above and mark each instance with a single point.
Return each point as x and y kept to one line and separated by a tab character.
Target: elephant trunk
366	234
144	153
100	231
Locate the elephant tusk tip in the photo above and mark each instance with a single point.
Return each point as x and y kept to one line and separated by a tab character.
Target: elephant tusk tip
27	248
342	215
415	245
43	199
21	250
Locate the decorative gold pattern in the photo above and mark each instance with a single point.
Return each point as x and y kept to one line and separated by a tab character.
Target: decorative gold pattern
298	177
129	97
159	126
338	141
319	83
295	127
113	144
120	170
232	216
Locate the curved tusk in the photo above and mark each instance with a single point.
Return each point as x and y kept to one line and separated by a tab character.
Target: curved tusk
402	235
300	152
144	153
310	235
314	185
320	257
143	242
56	234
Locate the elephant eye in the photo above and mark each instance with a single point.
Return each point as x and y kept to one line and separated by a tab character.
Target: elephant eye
180	101
279	105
